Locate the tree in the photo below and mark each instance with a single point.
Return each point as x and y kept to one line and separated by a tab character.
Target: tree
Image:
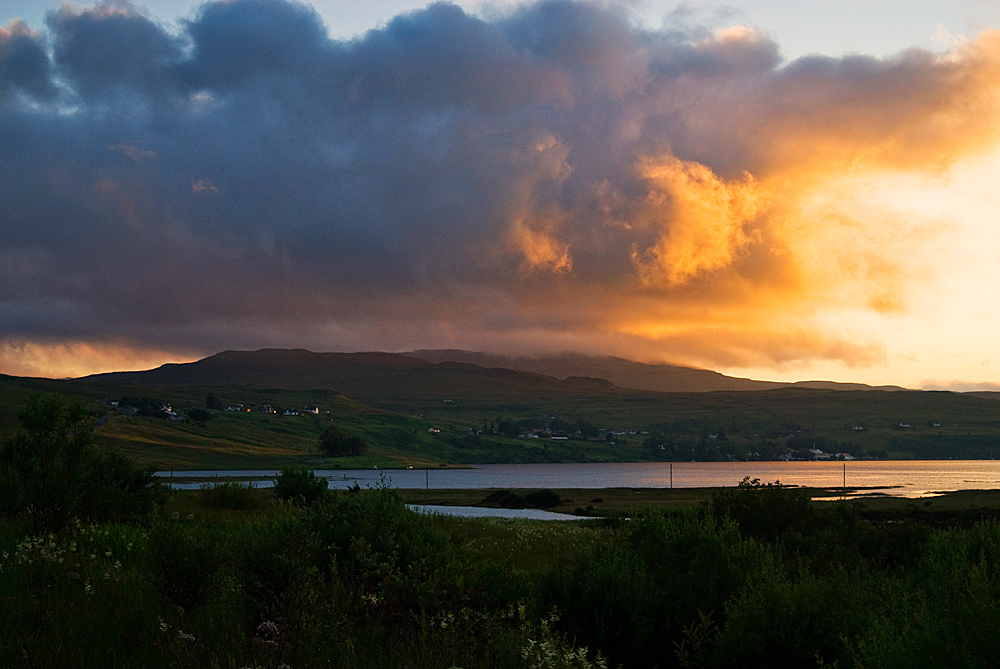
587	429
145	406
334	442
762	510
507	427
212	402
50	470
199	415
296	483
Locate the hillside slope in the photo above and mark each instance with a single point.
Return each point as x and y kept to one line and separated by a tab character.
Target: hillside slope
412	411
628	374
379	379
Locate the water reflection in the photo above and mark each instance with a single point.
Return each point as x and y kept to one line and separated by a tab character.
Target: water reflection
896	478
482	512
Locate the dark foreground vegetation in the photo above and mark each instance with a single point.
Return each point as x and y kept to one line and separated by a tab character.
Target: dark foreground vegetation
232	576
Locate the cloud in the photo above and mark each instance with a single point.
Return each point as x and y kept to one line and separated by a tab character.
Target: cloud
111	49
24	64
72	359
549	177
959	386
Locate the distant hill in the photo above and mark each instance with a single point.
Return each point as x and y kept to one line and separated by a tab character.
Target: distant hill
627	374
375	376
285	368
413	409
379	379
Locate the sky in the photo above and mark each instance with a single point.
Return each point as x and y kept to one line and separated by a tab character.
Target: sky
779	190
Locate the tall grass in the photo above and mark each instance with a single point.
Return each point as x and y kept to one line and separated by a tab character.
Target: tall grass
357	580
230	495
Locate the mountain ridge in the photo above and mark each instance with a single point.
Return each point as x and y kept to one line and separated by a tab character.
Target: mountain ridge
629	374
357	372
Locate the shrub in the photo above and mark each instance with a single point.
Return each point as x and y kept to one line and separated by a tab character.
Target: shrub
294	484
334	442
609	601
281	594
552	650
762	510
52	471
200	415
504	499
230	495
185	562
797	620
542	499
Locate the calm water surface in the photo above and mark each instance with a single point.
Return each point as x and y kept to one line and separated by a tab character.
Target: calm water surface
481	512
904	478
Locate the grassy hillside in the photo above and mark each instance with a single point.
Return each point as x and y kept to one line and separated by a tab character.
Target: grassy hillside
249	438
396	404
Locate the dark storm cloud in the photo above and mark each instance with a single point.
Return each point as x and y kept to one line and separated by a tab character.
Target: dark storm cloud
111	50
246	180
24	64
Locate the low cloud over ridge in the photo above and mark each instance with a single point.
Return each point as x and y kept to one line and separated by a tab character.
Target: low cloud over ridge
551	178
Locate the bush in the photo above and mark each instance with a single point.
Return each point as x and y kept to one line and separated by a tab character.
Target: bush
294	484
542	499
212	402
274	567
185	563
229	495
51	470
504	499
334	442
200	415
794	621
763	510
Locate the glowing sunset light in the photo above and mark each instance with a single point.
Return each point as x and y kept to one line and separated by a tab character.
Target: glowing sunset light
554	176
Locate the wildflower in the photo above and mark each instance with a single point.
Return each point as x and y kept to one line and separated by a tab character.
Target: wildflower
182	636
87	588
163	625
267	629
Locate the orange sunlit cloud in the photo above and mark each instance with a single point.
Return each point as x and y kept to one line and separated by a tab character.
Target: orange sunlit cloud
74	359
817	231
